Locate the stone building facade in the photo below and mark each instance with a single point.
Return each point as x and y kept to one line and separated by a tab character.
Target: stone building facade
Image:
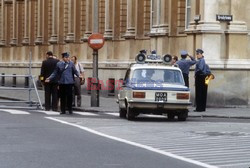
168	26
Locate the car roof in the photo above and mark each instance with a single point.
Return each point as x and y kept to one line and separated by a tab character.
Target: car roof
152	66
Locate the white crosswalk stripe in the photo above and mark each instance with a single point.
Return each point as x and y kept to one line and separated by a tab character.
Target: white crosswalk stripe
47	112
86	113
200	141
11	111
141	115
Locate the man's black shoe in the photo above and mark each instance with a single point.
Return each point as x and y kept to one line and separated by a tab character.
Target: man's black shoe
62	113
70	112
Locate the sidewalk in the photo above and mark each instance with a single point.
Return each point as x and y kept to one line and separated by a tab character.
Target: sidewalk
110	105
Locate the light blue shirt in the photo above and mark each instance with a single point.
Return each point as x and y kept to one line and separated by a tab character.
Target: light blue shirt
201	67
185	65
65	72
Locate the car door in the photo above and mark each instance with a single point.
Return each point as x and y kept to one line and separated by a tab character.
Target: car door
123	91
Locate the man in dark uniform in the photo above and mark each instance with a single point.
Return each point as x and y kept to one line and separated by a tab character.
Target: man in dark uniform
65	70
50	88
201	72
185	65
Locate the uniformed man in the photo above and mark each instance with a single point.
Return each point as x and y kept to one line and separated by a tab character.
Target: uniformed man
185	65
65	70
201	72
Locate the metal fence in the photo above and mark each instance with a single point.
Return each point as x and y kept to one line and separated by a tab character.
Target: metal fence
29	86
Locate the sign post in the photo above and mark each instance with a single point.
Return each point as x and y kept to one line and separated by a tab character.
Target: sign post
96	42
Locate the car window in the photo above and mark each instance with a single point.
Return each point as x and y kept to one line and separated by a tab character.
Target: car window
127	76
157	75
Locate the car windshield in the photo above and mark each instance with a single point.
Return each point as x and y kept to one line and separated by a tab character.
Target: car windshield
169	76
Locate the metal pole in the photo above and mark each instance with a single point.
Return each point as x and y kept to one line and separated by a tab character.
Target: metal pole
30	77
95	79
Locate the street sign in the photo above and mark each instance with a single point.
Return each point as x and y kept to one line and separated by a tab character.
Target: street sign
96	41
226	18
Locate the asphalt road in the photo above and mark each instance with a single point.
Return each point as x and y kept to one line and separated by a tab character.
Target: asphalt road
34	139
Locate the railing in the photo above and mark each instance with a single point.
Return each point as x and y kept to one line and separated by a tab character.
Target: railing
29	85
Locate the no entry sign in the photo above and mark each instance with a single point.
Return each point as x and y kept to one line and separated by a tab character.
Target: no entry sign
96	41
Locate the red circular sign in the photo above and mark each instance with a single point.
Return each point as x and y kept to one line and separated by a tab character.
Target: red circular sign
96	41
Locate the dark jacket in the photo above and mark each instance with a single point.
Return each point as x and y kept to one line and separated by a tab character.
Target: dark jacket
48	67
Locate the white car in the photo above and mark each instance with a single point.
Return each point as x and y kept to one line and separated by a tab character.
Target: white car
152	87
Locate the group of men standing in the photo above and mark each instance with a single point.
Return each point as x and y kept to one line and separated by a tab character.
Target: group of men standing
61	79
201	72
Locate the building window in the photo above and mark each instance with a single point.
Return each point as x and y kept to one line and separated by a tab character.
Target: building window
188	13
155	15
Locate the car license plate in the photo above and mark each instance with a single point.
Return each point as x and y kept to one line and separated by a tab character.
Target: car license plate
161	96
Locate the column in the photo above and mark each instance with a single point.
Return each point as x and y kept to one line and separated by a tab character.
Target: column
3	21
77	18
237	34
71	22
139	18
131	13
108	34
209	9
54	37
26	23
43	21
8	35
39	38
32	10
20	20
89	14
208	32
116	20
14	33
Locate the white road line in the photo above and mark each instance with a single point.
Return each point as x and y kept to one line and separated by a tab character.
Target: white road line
86	113
246	164
113	114
152	116
135	144
15	111
47	112
230	161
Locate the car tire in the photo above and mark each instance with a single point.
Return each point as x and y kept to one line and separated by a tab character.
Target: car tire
122	113
130	114
171	116
183	115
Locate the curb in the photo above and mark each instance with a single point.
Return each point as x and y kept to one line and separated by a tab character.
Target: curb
218	116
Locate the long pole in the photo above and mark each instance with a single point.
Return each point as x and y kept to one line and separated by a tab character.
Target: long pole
30	76
95	79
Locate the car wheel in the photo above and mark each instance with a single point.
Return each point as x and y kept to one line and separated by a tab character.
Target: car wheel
171	116
183	115
130	114
122	113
